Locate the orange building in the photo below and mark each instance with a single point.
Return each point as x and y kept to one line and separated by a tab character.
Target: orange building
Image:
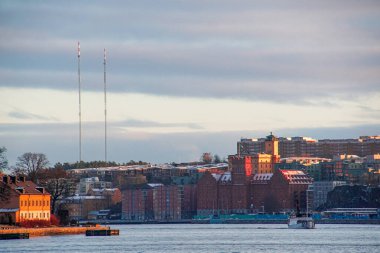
260	162
22	200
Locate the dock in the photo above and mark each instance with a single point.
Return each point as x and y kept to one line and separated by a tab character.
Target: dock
102	232
49	231
14	236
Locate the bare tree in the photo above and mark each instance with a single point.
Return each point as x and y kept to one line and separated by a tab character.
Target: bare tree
206	158
31	164
5	194
57	183
3	159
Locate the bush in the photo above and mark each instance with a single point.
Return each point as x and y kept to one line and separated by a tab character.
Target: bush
35	223
54	220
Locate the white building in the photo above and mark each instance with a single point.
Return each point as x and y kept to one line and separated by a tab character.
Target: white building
321	189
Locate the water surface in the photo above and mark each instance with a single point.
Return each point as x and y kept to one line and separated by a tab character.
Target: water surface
211	238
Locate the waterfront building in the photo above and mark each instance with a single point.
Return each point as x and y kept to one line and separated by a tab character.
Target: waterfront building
283	190
79	207
137	204
166	203
152	202
207	194
22	200
188	193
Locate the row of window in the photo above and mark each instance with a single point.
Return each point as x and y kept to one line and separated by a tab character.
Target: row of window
35	215
34	203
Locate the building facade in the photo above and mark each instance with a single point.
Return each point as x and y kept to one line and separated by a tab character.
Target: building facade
306	146
81	207
321	189
284	190
23	200
154	202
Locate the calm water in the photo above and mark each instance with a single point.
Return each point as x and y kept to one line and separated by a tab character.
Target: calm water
211	238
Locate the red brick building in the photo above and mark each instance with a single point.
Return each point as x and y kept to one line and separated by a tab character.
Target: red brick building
225	193
152	202
166	202
188	193
283	190
207	194
252	185
134	204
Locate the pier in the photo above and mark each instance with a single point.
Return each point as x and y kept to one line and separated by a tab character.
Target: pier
49	231
95	232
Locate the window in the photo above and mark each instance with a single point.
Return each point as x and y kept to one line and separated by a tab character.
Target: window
32	203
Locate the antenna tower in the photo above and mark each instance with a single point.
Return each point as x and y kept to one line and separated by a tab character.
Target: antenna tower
80	107
105	106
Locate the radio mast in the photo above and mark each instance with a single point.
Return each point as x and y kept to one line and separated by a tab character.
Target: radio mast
80	107
105	106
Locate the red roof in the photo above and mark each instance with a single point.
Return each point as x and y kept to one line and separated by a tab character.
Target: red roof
25	187
296	177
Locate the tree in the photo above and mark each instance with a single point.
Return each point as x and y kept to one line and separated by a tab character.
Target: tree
206	158
5	193
3	159
57	183
217	159
31	164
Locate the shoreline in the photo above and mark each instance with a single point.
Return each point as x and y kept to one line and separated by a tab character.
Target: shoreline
51	231
56	231
231	221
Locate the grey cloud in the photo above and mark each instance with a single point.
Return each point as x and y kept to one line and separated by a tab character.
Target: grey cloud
155	148
27	115
144	124
289	52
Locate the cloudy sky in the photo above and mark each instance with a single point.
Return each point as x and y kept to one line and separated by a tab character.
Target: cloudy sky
185	77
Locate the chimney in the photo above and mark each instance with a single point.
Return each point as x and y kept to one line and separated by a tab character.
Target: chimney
21	178
13	179
5	179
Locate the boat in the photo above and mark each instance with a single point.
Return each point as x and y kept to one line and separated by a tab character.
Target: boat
304	222
301	223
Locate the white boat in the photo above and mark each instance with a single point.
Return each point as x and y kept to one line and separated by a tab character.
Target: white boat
306	222
301	222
